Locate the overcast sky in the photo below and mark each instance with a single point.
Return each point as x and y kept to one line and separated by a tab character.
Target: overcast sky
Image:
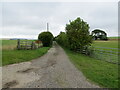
28	19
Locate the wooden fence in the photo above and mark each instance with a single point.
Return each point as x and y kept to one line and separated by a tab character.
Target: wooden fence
27	45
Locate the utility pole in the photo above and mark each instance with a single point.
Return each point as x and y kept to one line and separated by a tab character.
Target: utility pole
47	27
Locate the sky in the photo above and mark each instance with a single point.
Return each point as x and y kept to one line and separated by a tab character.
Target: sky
28	19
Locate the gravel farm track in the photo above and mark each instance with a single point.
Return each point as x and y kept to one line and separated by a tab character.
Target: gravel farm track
52	70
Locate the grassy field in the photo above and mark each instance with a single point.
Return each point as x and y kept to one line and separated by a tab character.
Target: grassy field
110	44
113	37
8	44
11	55
103	73
106	50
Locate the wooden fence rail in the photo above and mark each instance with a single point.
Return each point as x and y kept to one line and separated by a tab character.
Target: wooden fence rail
26	45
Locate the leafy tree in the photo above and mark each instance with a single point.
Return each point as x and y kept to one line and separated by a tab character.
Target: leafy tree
78	34
46	38
62	39
97	33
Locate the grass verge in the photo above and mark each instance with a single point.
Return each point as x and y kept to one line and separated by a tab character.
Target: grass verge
103	73
16	56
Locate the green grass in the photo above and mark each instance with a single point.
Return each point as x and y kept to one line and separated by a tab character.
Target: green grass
103	73
108	54
9	42
16	56
110	44
113	37
11	55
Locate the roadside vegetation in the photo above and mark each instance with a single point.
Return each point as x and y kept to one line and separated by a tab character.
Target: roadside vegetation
76	37
103	73
77	43
97	71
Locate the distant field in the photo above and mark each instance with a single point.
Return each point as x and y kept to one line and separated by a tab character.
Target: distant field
11	55
9	44
113	37
110	44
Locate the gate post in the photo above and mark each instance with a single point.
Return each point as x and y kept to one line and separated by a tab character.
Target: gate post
18	44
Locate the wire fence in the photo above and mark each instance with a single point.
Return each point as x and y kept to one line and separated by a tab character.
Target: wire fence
107	54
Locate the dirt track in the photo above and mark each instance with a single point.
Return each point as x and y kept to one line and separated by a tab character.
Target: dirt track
53	70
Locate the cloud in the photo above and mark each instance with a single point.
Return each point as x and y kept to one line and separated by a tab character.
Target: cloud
30	18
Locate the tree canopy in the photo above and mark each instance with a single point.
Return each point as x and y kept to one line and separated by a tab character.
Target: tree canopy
97	33
76	36
46	38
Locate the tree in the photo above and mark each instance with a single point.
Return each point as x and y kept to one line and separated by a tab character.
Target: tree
46	38
78	34
62	39
97	33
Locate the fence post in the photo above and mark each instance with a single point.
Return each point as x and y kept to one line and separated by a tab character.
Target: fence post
33	46
26	44
18	44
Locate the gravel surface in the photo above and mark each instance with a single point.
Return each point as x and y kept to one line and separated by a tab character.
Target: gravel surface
52	70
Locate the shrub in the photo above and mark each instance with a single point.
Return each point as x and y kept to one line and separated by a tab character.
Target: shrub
46	38
90	51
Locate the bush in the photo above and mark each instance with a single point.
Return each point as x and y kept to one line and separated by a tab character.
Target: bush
46	38
90	51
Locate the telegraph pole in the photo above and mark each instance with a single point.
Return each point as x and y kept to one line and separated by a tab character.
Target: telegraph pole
47	27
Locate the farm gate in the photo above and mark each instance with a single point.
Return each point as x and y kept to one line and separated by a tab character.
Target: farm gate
28	44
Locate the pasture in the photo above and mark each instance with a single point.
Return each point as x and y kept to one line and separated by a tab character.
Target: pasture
109	43
113	37
106	50
9	44
11	55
